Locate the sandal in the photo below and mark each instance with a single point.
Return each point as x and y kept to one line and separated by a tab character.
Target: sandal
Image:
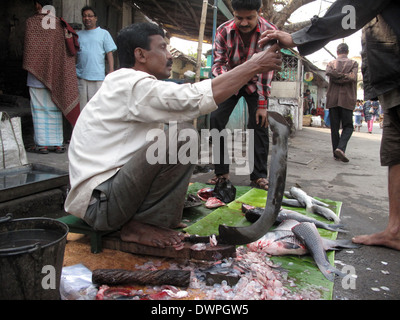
59	149
216	178
37	149
260	183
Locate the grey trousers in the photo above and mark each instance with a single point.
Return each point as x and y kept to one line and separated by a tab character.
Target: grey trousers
149	193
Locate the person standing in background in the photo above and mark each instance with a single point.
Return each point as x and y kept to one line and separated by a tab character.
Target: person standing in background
340	99
370	112
51	80
95	44
235	43
357	115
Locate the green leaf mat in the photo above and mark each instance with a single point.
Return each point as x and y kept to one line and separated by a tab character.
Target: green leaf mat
203	222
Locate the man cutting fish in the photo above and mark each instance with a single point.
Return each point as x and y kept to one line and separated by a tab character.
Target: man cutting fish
113	184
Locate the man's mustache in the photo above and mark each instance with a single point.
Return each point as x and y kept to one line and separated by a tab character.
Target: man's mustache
169	63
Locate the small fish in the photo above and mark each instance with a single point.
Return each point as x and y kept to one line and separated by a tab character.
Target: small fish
307	232
292	203
285	214
301	196
324	212
304	198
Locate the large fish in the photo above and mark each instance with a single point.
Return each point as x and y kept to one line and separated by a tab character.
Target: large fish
282	241
307	232
253	213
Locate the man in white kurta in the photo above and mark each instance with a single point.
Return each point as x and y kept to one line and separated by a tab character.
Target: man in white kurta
113	183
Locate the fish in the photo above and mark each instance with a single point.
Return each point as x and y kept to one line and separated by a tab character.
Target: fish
277	179
253	213
292	203
205	193
307	233
313	206
324	212
279	242
303	198
213	202
285	214
282	241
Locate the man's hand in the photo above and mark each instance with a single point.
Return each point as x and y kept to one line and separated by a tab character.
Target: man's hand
285	39
270	60
262	117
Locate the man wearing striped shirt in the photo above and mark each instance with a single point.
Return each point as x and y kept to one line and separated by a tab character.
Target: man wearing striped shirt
236	42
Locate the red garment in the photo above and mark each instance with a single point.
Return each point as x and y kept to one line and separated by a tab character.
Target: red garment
229	52
47	58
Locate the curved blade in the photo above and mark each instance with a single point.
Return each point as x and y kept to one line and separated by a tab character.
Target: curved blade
277	178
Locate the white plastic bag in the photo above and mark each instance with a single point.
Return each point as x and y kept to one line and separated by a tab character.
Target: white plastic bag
12	150
76	283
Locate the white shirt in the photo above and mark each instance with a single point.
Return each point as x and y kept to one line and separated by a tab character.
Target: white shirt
114	124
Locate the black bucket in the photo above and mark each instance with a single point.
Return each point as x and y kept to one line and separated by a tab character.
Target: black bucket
31	258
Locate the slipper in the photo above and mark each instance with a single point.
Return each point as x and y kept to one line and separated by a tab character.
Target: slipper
37	149
59	149
260	183
341	155
214	180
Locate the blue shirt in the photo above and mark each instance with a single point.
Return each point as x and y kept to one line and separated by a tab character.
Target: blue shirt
94	45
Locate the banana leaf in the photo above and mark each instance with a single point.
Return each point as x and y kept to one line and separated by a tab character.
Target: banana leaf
203	222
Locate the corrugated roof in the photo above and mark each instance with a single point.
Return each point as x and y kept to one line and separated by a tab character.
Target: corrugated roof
181	18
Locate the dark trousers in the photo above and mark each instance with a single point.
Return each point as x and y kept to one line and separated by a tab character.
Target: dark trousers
149	193
218	120
337	116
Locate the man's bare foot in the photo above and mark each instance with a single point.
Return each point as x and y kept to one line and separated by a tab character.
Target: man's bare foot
181	225
150	235
379	239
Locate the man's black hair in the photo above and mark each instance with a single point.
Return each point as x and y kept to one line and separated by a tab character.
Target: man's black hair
88	8
246	5
135	36
44	3
342	48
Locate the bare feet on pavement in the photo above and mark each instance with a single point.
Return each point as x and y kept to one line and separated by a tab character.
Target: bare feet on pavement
385	238
150	235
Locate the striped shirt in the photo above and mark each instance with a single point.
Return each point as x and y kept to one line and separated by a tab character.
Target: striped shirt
229	52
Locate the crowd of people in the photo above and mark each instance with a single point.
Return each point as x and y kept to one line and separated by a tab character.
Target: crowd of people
369	111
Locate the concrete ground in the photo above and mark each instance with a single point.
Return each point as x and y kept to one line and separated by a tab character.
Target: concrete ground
360	184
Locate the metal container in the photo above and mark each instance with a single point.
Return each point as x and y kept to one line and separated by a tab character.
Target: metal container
31	258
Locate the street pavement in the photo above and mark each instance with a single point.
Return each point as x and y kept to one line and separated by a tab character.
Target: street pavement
361	185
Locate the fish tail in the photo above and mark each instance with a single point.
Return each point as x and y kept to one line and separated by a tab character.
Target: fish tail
346	244
336	228
330	271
